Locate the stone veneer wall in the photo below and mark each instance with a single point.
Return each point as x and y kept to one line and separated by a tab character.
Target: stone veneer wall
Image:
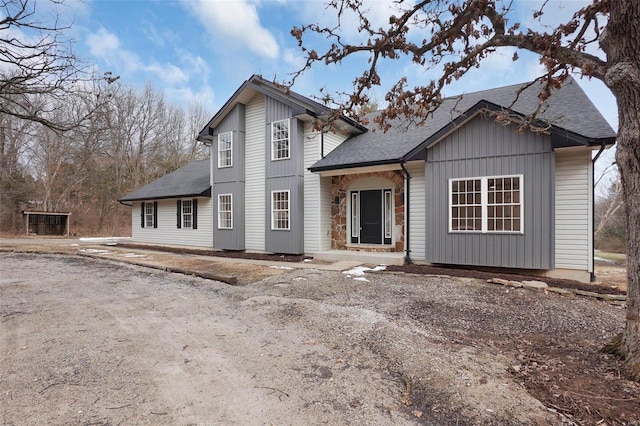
339	187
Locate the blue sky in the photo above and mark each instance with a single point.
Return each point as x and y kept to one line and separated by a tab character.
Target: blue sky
204	49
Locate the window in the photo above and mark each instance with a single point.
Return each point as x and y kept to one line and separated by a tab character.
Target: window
148	215
225	211
280	140
225	149
280	210
388	215
486	204
355	217
504	211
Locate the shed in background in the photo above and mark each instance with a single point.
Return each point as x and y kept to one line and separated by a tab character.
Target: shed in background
46	223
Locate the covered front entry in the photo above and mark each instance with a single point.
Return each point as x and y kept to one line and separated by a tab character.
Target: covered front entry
371	216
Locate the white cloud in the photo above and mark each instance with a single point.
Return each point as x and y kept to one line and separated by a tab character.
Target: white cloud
235	21
102	44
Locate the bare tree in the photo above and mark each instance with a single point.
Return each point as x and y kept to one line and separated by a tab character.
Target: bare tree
457	35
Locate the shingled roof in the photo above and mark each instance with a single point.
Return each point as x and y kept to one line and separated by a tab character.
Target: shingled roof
191	180
573	118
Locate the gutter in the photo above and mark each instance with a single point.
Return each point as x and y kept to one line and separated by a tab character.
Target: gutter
407	257
593	211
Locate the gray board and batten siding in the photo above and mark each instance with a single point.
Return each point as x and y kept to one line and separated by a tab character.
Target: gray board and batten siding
230	180
285	175
484	148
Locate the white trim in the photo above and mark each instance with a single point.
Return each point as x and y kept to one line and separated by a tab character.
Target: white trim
359	170
288	210
273	157
355	215
484	204
148	223
225	211
220	135
183	214
387	215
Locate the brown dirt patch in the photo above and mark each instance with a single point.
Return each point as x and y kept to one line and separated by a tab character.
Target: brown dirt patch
485	275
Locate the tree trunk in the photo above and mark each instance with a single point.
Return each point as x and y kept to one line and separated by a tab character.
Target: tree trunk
621	43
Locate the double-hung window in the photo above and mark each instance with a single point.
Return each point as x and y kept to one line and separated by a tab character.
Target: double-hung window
225	150
187	214
492	204
149	214
280	210
280	140
225	211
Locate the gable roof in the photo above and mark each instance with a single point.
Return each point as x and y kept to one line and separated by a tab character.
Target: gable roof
301	105
573	118
191	180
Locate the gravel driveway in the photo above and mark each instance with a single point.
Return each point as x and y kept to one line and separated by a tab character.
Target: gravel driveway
86	341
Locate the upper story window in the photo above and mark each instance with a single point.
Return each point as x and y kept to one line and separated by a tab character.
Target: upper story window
225	211
280	140
490	204
280	210
225	149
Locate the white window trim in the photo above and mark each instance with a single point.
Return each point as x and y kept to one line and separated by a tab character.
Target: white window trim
273	157
484	201
387	213
273	217
225	211
224	166
182	213
148	223
355	214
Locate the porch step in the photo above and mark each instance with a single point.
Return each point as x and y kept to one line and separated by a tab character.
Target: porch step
375	258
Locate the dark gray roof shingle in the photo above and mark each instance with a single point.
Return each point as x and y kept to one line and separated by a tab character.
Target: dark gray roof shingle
568	109
188	181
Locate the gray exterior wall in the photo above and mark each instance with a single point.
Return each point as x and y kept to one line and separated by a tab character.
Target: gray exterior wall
286	241
230	239
484	148
234	122
283	175
230	180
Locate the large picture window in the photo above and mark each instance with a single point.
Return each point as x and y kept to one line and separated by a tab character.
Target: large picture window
280	140
225	149
280	210
490	204
225	211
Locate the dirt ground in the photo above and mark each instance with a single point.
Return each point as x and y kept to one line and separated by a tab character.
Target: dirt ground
92	341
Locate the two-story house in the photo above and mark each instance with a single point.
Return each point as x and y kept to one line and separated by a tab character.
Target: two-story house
463	189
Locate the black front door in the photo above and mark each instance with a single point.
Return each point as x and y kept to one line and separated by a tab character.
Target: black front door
371	217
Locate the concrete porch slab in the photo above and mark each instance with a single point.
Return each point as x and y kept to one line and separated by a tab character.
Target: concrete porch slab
375	258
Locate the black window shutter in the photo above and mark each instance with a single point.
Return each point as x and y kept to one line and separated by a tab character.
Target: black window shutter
155	214
142	214
194	211
179	213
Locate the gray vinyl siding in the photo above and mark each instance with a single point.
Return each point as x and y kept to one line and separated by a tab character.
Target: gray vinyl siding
167	233
276	111
230	239
484	148
289	241
255	175
235	123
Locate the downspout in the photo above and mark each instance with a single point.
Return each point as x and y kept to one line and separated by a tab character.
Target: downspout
407	257
593	212
321	143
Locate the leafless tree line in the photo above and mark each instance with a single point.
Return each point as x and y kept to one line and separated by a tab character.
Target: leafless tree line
118	145
71	140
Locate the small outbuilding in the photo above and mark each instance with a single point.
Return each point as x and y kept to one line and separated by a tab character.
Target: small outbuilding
46	223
